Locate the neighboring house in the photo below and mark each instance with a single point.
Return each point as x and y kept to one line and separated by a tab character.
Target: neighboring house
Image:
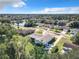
20	24
73	32
45	25
61	23
45	39
68	47
61	27
25	32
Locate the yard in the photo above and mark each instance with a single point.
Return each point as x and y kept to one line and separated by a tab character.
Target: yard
56	30
62	41
39	31
60	44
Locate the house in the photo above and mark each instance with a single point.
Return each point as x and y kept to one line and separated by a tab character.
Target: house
45	39
73	32
68	47
20	24
25	32
45	25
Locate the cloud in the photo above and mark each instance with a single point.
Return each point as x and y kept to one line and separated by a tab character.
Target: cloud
13	3
64	10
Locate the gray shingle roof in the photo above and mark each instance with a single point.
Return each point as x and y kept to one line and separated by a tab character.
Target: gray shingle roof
43	38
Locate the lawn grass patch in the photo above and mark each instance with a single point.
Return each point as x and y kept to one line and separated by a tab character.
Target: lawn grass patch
60	45
39	31
55	30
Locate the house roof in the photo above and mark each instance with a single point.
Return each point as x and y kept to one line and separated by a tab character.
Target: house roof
69	45
46	38
25	32
35	36
43	38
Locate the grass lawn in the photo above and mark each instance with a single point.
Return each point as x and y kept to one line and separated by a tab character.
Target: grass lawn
39	31
60	45
55	30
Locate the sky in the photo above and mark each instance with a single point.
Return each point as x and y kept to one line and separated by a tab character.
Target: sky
39	6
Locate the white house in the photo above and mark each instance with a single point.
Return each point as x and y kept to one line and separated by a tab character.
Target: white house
20	24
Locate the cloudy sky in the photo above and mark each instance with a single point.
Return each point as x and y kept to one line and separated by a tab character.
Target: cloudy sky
39	6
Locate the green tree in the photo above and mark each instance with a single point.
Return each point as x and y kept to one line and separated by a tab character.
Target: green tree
77	38
11	51
3	54
74	24
22	46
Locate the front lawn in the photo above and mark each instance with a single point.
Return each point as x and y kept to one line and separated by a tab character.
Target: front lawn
60	44
56	30
39	31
